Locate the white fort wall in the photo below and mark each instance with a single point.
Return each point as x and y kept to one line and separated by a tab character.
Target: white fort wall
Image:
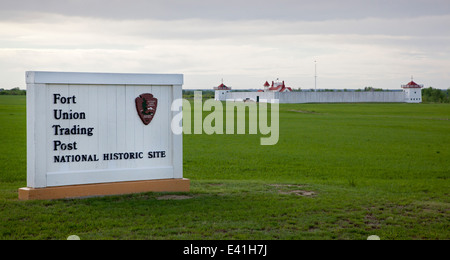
239	96
340	97
318	97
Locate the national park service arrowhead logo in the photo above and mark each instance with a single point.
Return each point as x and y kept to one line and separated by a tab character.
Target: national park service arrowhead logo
146	107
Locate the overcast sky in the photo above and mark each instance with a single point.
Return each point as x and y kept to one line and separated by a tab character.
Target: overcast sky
356	43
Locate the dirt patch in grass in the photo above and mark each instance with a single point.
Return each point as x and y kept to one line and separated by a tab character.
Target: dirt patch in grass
288	185
306	112
303	193
371	221
174	197
293	189
215	184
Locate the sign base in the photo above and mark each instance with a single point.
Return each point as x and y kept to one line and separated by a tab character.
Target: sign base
102	189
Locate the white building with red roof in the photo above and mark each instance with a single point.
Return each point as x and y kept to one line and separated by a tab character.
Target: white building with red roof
276	87
221	92
413	92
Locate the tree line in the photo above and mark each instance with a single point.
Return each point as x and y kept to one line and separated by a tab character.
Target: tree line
435	95
432	95
206	94
13	91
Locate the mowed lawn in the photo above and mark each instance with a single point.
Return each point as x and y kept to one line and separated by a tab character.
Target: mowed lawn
339	171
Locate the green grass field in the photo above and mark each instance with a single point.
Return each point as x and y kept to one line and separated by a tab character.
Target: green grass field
339	171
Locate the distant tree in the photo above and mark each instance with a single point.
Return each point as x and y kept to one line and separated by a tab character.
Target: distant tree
207	94
13	91
435	95
188	94
372	89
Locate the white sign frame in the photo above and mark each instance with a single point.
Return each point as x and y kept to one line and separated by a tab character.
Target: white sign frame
41	99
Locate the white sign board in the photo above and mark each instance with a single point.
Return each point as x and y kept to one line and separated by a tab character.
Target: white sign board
85	128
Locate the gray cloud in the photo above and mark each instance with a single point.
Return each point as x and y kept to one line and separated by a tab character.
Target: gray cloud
292	10
357	43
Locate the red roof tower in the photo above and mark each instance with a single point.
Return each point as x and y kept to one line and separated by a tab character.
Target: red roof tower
412	84
222	87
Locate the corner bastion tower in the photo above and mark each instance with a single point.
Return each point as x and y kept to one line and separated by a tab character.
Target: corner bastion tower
413	92
221	92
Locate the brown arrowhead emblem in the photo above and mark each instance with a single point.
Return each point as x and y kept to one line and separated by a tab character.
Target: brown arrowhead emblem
146	107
